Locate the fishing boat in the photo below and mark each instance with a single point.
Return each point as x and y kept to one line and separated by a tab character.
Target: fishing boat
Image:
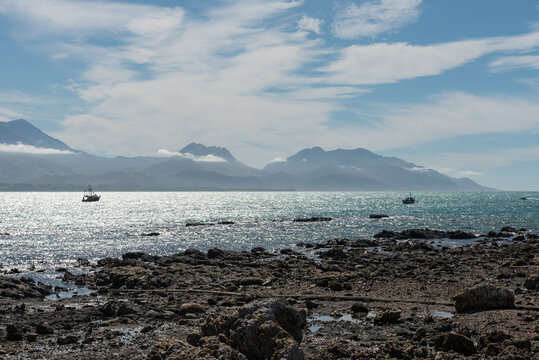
89	195
408	200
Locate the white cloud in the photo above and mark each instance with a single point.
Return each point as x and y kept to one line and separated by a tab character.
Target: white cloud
278	160
391	62
307	23
446	116
205	158
374	17
515	62
481	161
29	149
10	113
167	77
76	18
468	173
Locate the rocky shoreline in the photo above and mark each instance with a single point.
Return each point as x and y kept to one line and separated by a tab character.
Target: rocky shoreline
396	295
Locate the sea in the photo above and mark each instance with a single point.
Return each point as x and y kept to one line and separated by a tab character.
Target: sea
53	229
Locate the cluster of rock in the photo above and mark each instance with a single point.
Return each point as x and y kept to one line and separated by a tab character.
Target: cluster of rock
23	287
224	304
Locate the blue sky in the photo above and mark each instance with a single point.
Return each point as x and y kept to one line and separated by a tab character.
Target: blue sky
452	85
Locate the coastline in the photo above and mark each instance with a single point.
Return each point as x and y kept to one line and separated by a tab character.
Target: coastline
390	295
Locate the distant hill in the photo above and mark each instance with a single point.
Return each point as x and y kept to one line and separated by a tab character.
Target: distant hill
200	167
360	169
21	131
202	150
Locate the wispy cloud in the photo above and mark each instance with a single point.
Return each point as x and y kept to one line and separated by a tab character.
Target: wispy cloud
307	23
480	161
9	113
29	149
515	62
446	116
374	17
205	158
247	71
382	63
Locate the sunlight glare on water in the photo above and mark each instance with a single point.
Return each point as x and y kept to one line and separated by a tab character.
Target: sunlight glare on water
47	229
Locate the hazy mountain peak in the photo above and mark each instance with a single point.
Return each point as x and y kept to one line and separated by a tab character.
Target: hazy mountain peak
307	154
23	132
197	149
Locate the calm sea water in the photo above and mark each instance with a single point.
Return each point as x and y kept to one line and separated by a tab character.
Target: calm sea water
52	229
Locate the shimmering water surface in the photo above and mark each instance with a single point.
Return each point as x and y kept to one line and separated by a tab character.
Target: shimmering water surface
50	229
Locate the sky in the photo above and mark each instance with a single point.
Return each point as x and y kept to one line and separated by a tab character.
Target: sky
450	85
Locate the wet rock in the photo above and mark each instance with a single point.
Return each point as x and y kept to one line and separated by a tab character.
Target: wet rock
24	287
455	342
44	329
226	222
333	253
387	317
493	337
311	304
192	308
194	338
261	330
485	297
30	337
531	282
525	344
151	234
67	340
508	229
251	281
208	348
378	216
312	219
198	224
335	285
460	235
61	269
215	253
13	333
112	308
289	251
82	262
359	308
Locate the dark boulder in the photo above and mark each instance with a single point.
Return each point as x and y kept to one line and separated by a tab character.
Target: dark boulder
13	333
455	342
531	282
485	297
387	317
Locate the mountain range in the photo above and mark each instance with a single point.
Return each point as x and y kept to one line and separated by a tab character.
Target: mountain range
32	160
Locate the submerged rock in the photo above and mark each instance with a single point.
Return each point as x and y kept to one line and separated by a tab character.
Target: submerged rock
378	216
313	219
485	297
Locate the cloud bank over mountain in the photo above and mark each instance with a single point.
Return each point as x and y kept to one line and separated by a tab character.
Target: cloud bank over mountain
269	77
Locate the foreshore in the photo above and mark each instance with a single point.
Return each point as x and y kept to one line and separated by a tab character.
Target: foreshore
397	295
